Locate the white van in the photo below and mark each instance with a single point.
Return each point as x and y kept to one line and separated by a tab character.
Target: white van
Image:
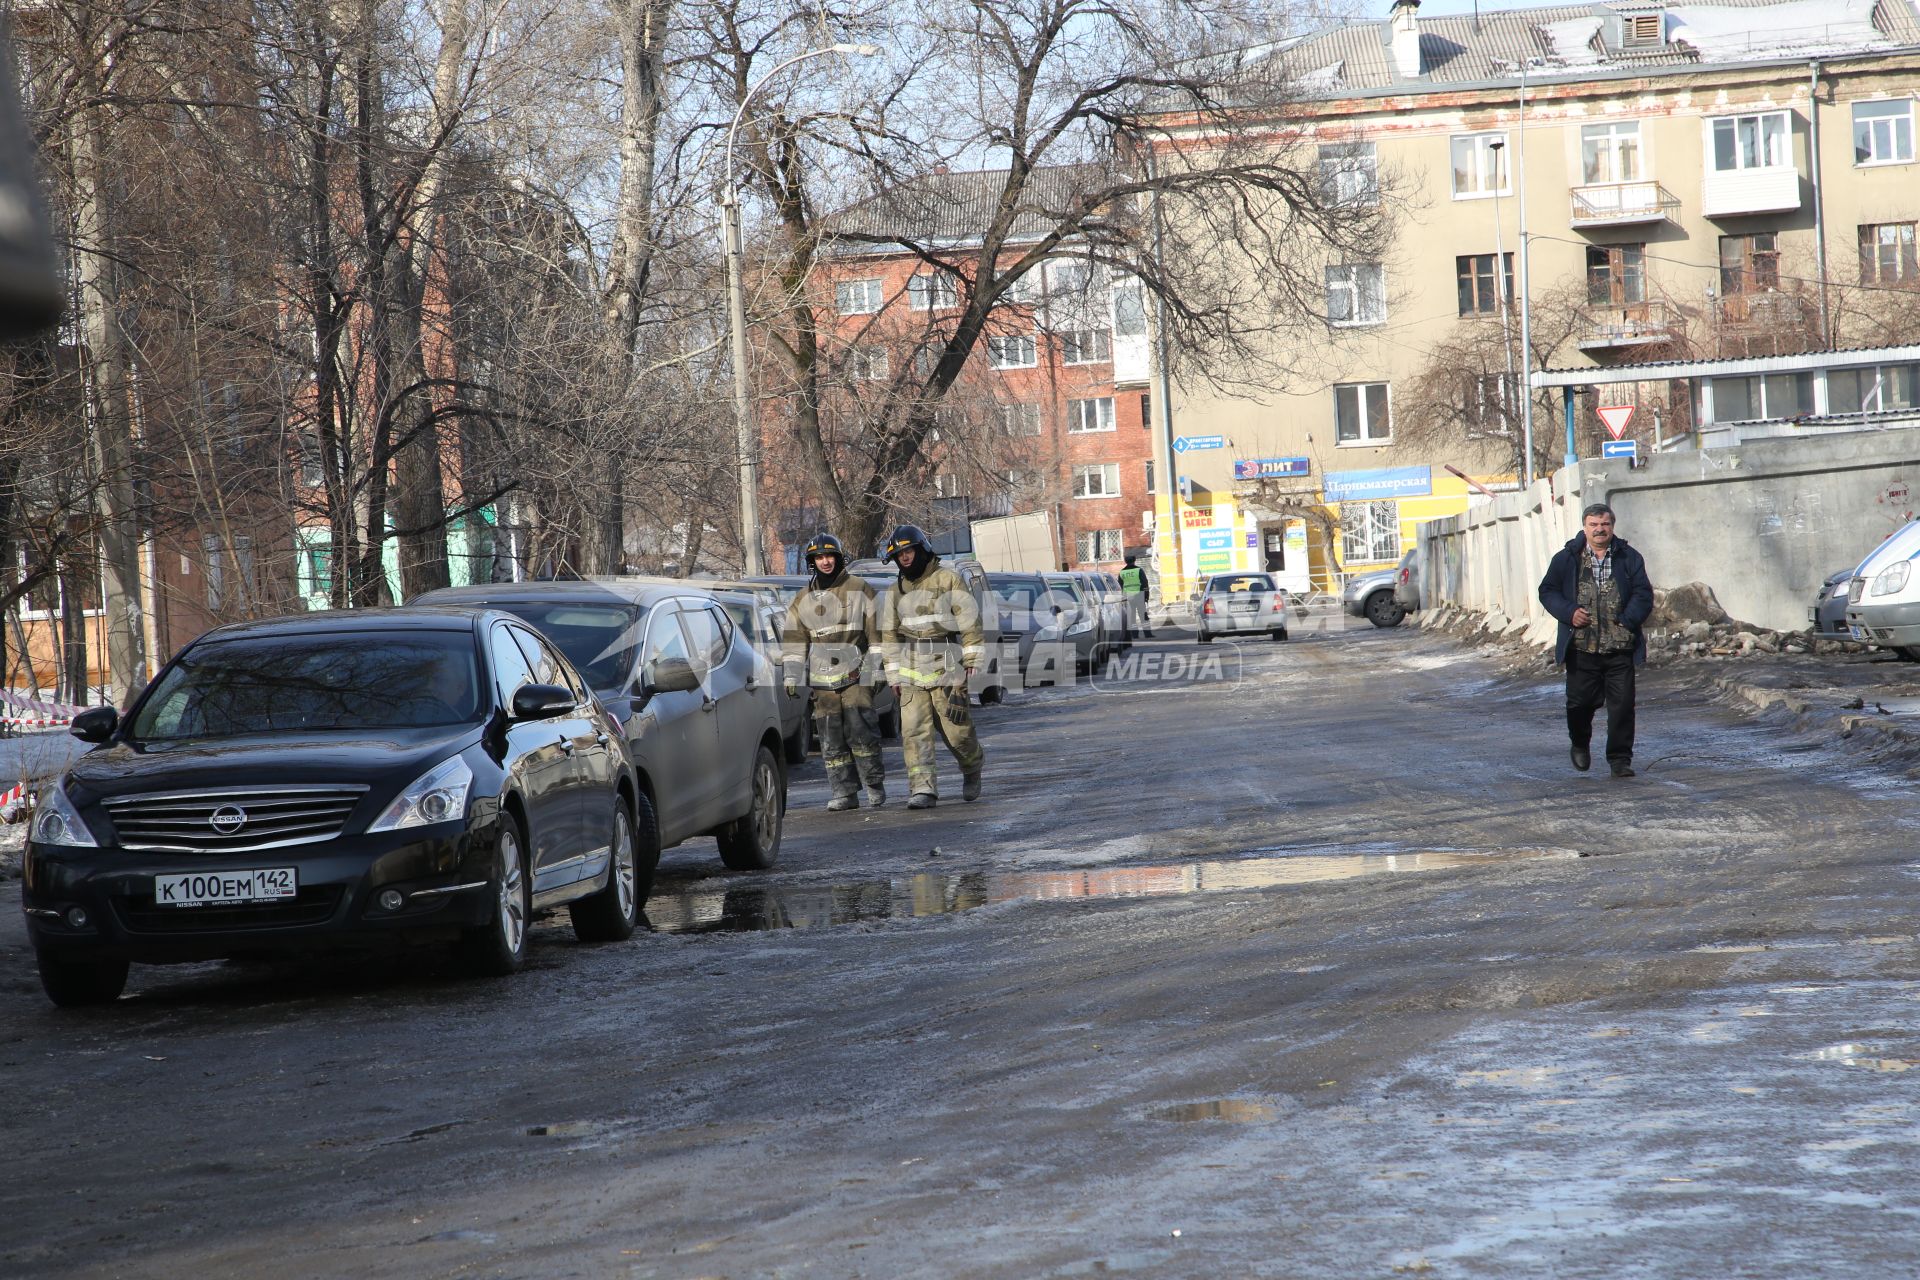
1883	600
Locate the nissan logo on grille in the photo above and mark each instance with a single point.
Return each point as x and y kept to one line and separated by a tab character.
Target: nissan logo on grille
227	819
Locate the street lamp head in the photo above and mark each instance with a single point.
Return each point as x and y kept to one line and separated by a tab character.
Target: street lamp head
863	50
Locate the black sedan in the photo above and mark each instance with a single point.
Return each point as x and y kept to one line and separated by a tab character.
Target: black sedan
1828	615
335	780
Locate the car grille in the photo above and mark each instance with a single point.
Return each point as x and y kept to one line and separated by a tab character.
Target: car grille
267	818
314	905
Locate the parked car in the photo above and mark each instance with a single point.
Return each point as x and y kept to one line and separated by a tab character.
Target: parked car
1370	596
1406	581
329	780
708	757
1027	608
989	681
1079	622
1883	595
1827	618
1232	603
1114	622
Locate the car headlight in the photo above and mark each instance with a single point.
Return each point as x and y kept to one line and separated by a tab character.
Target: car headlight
56	821
1081	627
1892	578
438	795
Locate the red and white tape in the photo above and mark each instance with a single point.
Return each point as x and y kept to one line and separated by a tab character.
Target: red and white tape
41	715
12	802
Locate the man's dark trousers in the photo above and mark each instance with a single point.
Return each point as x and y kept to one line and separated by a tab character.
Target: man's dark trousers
1595	680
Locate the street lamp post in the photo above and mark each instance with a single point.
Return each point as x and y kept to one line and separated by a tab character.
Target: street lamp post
746	438
1502	280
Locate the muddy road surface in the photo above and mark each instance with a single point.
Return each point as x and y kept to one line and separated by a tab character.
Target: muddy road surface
1334	970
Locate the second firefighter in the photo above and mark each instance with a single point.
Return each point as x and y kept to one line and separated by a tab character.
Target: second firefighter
931	636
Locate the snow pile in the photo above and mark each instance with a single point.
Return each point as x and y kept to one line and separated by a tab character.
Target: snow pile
1721	34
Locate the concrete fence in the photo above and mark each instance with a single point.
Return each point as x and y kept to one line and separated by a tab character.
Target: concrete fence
1763	524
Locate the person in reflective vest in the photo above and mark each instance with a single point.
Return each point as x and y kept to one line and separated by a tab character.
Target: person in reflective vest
825	637
1133	585
931	639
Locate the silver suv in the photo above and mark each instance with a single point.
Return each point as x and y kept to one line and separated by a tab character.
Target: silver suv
1370	596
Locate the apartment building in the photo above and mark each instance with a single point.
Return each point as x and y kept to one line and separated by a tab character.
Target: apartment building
1053	415
1697	181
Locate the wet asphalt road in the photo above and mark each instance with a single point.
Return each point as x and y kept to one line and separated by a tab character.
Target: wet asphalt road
1184	996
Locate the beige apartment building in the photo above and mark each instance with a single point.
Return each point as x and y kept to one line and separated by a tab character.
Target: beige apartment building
1735	179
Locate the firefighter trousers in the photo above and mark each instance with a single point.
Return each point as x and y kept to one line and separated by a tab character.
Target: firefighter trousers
849	738
942	709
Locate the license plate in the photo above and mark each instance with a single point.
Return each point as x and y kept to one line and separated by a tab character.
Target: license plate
1858	633
225	888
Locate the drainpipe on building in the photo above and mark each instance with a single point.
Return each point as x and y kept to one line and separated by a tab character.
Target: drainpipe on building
1819	216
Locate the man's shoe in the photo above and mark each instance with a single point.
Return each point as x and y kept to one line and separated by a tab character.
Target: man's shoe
970	787
840	804
1582	759
1621	768
877	794
921	800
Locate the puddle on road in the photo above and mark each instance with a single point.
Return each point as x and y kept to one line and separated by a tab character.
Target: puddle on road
1233	1110
1860	1055
706	908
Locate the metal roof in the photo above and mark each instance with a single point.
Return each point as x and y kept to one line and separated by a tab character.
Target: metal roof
1578	41
1663	370
949	209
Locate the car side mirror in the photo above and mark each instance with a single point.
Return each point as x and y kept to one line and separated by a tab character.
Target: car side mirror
671	675
541	701
95	724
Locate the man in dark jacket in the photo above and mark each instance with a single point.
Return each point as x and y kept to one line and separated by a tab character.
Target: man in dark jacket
1597	587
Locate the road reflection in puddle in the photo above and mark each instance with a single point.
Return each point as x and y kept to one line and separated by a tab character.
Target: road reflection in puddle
1860	1055
705	907
1235	1110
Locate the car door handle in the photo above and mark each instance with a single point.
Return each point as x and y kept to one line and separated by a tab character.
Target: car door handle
566	745
602	739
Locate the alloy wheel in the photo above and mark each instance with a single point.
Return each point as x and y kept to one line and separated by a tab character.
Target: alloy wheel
513	906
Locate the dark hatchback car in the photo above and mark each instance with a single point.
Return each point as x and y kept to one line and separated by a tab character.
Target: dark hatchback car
706	752
334	780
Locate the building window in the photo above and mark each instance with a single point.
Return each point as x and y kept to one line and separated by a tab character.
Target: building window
1369	532
857	297
229	577
1876	390
1357	294
1020	419
1616	275
313	471
1097	480
1150	488
1887	254
1473	275
1773	395
1146	411
866	363
1610	152
948	486
1360	413
932	291
1349	174
1090	415
1130	311
1085	346
1023	480
1749	264
1487	399
1097	544
1883	132
1012	351
1751	142
1477	168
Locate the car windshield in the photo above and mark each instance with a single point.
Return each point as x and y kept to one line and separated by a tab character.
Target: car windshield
1241	582
1065	587
598	637
1018	595
326	682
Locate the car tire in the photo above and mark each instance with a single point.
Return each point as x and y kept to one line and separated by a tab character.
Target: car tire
612	913
751	842
1279	633
74	984
1203	637
1383	610
991	694
499	947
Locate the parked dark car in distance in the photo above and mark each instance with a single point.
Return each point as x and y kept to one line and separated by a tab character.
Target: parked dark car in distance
1828	616
331	780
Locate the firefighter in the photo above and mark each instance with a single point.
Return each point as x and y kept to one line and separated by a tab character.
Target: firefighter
930	636
825	638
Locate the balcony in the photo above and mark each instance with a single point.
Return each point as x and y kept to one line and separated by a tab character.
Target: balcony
1622	204
1770	312
1735	192
1635	324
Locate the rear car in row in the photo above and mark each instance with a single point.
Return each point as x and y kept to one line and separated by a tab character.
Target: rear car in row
1241	603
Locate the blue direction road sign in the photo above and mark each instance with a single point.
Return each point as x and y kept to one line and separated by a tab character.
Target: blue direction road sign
1620	448
1185	444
